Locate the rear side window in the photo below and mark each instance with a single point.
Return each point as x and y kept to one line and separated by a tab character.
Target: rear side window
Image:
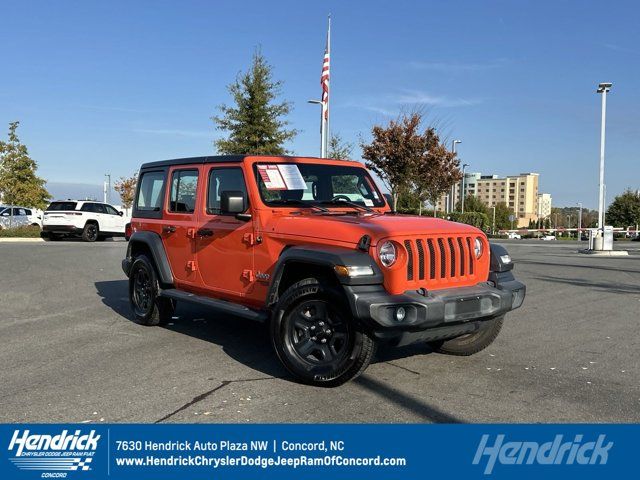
62	206
184	184
150	192
88	207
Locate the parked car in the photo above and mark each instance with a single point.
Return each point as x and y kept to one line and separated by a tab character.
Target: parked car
22	216
514	236
311	246
81	218
547	238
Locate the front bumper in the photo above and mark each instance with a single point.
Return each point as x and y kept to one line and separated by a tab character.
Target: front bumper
434	315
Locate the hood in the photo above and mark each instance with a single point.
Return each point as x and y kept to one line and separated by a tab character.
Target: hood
350	228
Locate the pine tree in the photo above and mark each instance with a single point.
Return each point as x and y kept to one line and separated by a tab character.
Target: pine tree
255	124
19	184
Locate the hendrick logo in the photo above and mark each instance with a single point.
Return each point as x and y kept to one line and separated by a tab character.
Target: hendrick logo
53	453
555	452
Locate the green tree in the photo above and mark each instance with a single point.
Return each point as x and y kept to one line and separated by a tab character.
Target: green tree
19	184
256	123
624	210
477	219
502	216
338	148
474	204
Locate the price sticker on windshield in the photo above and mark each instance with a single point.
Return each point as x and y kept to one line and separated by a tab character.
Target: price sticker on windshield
282	177
271	177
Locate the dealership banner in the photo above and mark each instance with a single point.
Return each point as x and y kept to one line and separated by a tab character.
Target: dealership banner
336	451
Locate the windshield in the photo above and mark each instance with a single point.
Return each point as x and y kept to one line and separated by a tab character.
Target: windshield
312	184
62	206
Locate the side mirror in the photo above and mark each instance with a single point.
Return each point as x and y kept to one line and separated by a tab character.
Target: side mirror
121	213
232	202
389	200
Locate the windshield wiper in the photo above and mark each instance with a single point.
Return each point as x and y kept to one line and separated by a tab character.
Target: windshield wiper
346	202
302	204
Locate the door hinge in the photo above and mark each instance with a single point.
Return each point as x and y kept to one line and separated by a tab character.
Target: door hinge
249	275
191	232
192	266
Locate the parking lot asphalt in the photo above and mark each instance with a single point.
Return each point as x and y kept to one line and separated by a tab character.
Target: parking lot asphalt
70	353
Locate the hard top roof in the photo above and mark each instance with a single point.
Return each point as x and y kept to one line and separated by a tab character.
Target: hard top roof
232	159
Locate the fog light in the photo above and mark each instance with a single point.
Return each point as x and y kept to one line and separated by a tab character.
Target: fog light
517	298
400	314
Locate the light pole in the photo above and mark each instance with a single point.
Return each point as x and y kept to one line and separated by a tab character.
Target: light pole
569	225
464	167
107	188
452	196
603	88
493	225
580	222
323	152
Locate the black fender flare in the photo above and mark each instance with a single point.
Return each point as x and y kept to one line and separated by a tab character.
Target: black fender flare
154	243
325	257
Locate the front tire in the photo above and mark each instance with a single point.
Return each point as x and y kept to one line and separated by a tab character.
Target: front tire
91	232
148	307
315	337
471	343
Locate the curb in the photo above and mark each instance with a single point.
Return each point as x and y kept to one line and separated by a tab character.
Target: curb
605	253
20	240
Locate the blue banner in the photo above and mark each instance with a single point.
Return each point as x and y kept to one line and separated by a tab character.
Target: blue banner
115	451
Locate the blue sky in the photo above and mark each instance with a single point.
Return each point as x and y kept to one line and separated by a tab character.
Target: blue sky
105	86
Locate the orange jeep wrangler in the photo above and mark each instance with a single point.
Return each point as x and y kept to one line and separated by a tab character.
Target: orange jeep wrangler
312	246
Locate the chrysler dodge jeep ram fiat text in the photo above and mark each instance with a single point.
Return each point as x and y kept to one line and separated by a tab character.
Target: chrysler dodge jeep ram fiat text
311	246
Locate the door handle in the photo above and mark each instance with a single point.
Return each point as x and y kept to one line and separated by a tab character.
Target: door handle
205	232
168	229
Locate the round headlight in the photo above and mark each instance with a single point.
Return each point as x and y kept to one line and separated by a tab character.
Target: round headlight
477	248
387	254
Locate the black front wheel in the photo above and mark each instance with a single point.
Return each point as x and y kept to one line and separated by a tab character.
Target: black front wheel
315	338
148	307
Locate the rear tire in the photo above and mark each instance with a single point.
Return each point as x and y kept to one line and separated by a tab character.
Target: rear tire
315	337
91	232
470	343
148	307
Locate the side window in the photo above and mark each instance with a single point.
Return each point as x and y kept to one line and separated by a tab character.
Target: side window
150	192
184	184
111	210
89	207
220	180
99	208
27	211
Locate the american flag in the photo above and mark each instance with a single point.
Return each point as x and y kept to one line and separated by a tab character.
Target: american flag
324	78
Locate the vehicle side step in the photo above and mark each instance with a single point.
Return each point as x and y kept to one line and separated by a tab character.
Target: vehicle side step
219	305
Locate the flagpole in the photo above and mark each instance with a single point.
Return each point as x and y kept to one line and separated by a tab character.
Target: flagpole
324	126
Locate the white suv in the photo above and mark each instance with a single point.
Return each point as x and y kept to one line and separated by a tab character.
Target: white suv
88	219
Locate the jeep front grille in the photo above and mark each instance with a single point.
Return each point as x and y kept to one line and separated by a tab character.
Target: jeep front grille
440	258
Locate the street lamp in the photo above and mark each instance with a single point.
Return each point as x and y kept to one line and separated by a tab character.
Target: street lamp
603	88
580	222
323	154
464	167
